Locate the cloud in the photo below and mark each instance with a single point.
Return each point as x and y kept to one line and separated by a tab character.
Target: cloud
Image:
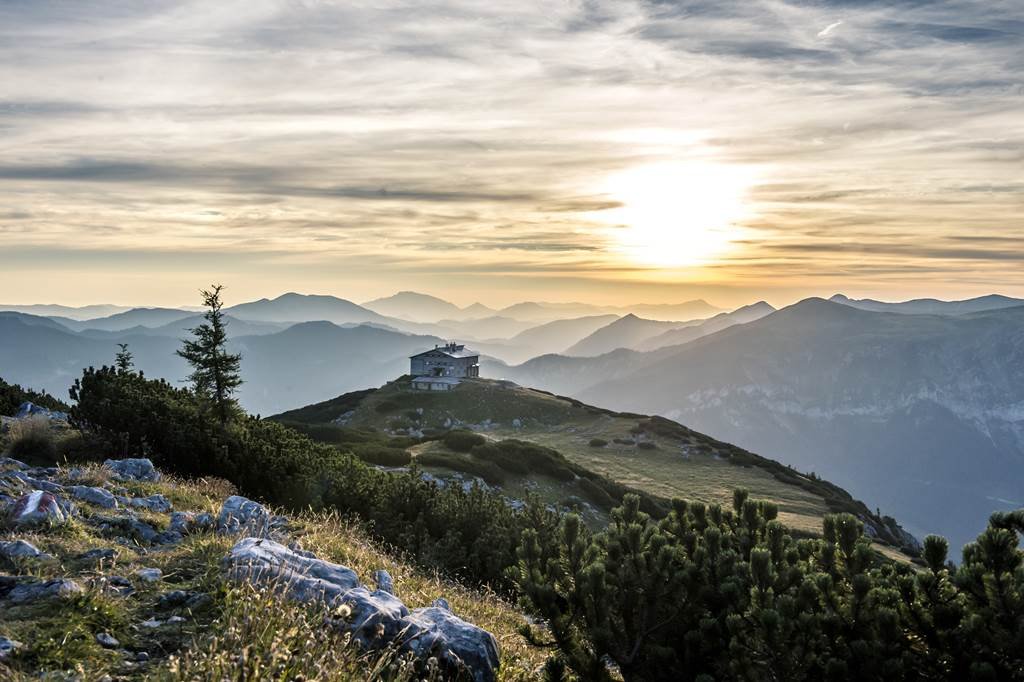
371	133
827	31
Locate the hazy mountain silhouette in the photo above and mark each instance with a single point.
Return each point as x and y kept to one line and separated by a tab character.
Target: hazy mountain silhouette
136	317
626	332
410	305
292	307
85	312
932	306
675	337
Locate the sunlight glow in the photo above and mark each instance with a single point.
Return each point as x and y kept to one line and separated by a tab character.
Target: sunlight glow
677	214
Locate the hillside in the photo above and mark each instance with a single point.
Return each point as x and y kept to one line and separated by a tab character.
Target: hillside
626	332
653	455
123	576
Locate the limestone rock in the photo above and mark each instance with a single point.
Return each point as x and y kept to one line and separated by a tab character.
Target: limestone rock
133	469
384	581
37	508
103	554
20	549
154	503
129	527
239	514
8	647
375	619
27	478
149	575
98	496
186	523
454	642
177	598
107	641
14	592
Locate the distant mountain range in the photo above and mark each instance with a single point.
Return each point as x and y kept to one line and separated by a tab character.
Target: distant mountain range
922	415
86	312
305	362
917	407
932	306
625	332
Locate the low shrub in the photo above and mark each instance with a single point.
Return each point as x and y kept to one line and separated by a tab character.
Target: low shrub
596	494
522	457
491	473
383	455
623	441
387	405
598	442
463	441
647	445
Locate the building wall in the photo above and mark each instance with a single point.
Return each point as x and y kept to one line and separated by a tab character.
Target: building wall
439	364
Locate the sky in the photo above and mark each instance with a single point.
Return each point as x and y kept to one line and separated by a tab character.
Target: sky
608	152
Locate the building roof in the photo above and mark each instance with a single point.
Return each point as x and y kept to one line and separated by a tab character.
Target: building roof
452	351
437	380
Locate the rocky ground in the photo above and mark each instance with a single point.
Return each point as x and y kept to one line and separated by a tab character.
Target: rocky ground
115	572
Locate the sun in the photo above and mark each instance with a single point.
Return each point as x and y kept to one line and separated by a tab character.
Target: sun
676	214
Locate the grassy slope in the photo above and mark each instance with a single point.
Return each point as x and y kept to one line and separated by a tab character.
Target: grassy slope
684	463
205	645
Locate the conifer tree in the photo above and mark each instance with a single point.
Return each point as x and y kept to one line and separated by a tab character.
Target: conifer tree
215	372
124	359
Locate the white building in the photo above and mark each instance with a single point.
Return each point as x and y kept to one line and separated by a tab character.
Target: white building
441	368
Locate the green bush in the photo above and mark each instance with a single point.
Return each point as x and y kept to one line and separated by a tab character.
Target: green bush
490	473
596	494
387	405
598	442
522	457
647	445
463	441
733	596
373	453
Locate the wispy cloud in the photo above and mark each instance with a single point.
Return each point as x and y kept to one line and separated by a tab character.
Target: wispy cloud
827	31
371	146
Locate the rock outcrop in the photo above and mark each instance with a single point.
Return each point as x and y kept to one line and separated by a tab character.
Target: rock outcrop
375	619
21	549
133	469
38	508
240	514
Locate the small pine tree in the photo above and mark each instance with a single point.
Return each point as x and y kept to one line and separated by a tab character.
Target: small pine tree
124	358
215	374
